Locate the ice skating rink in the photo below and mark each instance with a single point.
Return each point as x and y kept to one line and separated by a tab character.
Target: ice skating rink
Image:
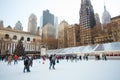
80	70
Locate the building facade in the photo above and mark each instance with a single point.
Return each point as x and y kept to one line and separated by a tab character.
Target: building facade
101	34
9	39
62	34
73	35
109	33
49	37
116	19
48	31
50	43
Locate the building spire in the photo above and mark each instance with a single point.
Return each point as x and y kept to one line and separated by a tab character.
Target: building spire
106	17
104	6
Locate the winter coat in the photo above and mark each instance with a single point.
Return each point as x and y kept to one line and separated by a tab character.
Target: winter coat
15	57
9	58
26	62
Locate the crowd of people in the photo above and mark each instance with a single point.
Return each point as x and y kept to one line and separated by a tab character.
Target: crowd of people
28	61
10	58
53	59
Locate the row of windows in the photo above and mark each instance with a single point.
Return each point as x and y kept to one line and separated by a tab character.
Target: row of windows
15	37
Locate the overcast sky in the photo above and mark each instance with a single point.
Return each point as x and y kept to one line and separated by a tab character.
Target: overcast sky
13	10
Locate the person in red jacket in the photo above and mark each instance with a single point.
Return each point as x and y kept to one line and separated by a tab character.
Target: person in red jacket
15	59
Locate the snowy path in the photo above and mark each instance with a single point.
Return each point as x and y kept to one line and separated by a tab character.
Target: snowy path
81	70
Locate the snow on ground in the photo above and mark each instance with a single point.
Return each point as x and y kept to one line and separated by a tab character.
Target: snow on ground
81	70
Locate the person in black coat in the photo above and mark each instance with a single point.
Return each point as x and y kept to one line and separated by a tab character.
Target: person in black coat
26	64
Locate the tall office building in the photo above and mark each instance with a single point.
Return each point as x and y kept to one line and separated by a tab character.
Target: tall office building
1	23
39	31
56	26
87	22
18	26
41	21
32	24
106	17
47	18
48	31
62	36
87	18
97	19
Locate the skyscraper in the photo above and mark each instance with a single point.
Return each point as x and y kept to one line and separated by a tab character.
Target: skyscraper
87	18
87	22
48	31
97	19
62	36
106	17
1	23
56	26
47	18
18	26
32	24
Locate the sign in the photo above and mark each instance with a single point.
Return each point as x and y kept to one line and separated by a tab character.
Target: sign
43	51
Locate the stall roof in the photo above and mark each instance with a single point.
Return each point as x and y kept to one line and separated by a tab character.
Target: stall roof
115	46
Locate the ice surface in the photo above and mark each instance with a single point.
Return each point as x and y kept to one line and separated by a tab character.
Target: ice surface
81	70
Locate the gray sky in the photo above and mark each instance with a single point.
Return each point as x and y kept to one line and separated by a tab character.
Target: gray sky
13	10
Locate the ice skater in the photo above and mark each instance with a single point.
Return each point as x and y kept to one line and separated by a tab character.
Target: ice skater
9	59
26	64
52	59
15	59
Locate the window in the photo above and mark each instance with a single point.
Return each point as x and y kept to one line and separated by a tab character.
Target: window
6	36
22	38
28	39
14	37
33	39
